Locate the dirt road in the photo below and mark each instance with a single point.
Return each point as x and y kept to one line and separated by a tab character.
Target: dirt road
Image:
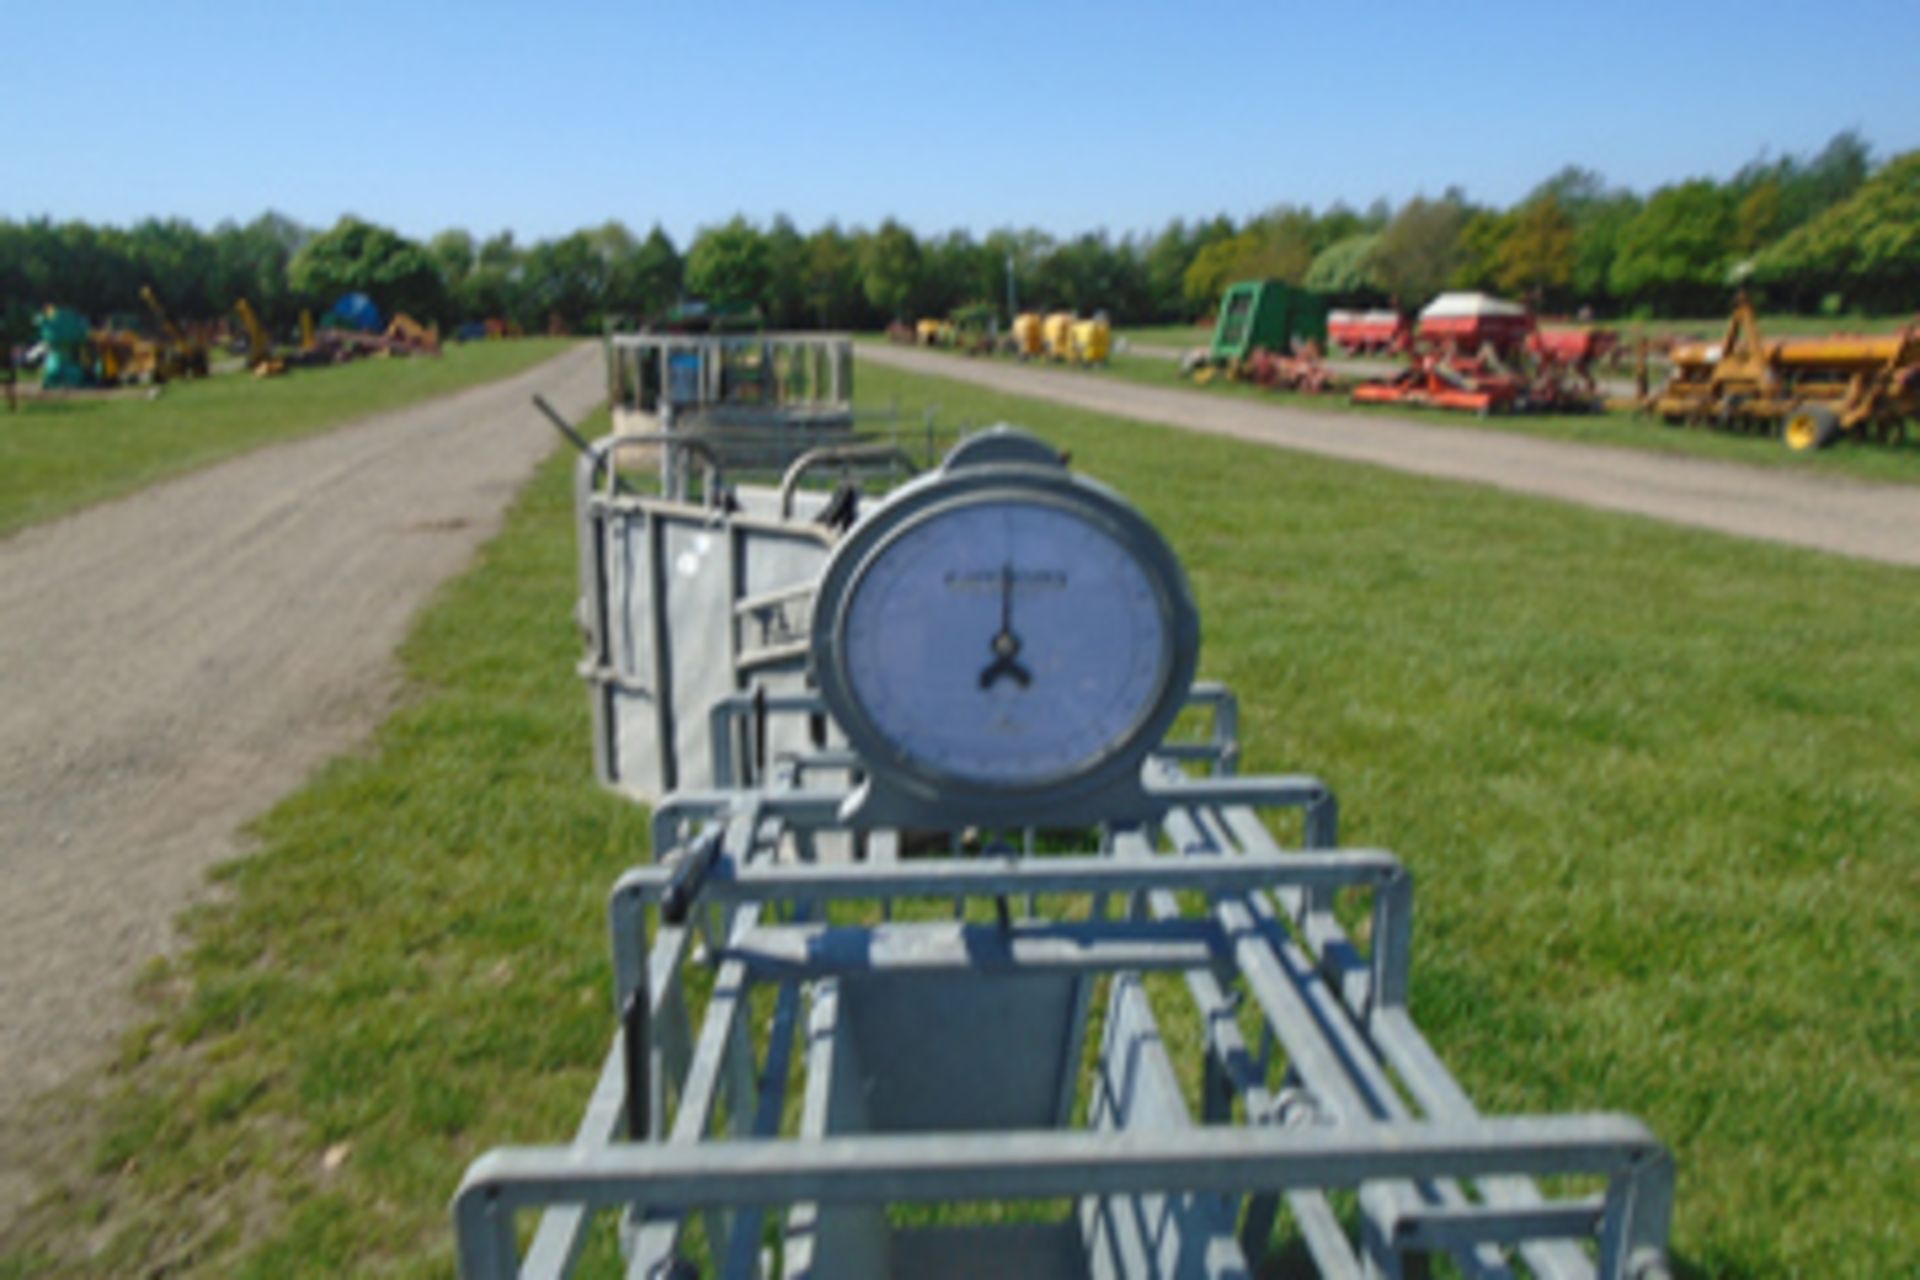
172	663
1847	517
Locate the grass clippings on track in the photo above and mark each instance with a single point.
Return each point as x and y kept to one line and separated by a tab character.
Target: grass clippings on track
1656	787
59	453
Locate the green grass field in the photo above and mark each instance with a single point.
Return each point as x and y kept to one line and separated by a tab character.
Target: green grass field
1168	335
1657	788
1782	325
58	454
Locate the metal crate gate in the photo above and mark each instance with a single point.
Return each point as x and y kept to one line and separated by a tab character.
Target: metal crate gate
686	602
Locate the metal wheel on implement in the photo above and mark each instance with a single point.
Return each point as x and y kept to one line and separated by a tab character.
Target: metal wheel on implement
1810	427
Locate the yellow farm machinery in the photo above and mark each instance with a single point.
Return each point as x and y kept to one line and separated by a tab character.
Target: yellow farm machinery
1060	336
1809	391
178	355
117	354
1065	338
1028	343
261	358
973	329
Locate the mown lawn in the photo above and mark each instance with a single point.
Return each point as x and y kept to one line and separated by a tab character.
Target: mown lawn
1168	335
1657	787
1780	325
60	453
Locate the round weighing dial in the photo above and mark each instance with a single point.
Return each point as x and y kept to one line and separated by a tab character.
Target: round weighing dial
1003	642
1006	640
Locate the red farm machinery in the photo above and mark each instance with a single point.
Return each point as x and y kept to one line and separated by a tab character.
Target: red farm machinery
1379	332
1479	354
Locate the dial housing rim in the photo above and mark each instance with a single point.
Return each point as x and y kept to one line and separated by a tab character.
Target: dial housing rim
1115	764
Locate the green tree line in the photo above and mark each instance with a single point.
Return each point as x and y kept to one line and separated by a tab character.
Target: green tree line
1826	230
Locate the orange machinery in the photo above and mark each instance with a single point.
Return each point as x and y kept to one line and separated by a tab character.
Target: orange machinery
180	356
1812	391
260	356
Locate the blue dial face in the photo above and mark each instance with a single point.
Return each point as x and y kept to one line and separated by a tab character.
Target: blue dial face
1005	642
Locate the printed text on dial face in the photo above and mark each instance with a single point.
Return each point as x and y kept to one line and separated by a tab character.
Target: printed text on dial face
922	627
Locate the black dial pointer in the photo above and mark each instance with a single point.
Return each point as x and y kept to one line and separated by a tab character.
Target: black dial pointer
1005	644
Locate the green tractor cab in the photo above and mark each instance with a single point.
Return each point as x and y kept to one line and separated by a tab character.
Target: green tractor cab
1266	313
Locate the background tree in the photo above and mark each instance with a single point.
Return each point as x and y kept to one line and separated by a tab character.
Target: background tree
1338	223
1477	259
1419	251
1089	273
729	264
1674	254
1535	259
1596	242
500	251
1809	228
357	256
1026	250
1758	216
951	273
980	271
490	290
1167	258
454	254
1867	246
785	302
565	278
647	281
1344	271
1804	188
832	279
251	262
177	259
1278	245
1210	272
890	269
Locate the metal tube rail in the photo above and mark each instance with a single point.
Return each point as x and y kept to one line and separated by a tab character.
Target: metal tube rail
1035	1165
1220	751
1368	993
1090	873
844	454
1351	992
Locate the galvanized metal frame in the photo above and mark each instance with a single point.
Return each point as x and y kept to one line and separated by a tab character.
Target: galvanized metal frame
762	847
807	395
763	575
1365	1103
830	356
763	631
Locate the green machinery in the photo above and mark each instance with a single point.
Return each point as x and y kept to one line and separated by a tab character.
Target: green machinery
1266	313
69	360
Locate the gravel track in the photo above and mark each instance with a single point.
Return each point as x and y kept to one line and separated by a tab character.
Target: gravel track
1847	517
174	662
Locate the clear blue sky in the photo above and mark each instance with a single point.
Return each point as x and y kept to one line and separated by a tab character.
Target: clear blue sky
545	118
